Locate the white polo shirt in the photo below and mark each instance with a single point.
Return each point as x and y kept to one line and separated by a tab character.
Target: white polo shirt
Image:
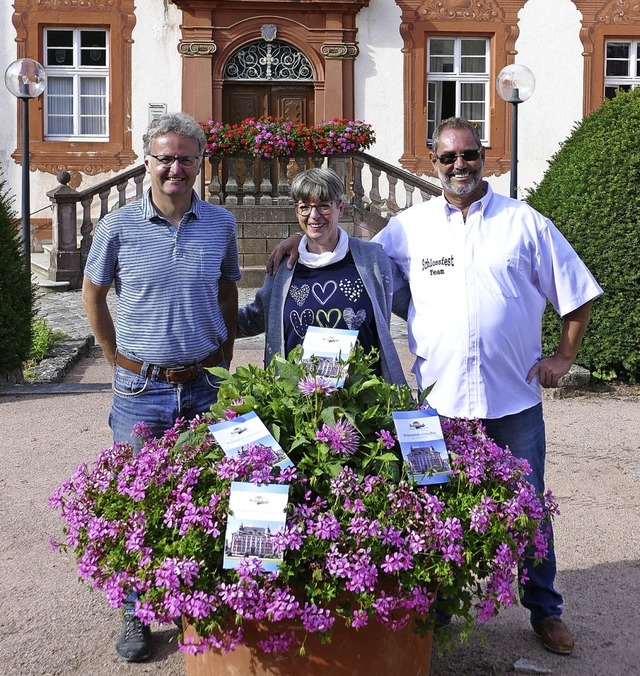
478	292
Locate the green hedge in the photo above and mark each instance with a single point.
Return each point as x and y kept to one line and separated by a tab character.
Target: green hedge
16	292
591	191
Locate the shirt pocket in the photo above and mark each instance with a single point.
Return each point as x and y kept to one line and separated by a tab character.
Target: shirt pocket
197	263
502	277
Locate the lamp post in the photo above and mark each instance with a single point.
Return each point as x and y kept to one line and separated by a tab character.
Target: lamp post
515	83
25	79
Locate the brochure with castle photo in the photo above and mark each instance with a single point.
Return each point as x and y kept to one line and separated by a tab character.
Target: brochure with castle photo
328	347
422	445
256	514
246	430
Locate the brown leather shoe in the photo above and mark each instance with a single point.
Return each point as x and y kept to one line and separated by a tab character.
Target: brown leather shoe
555	636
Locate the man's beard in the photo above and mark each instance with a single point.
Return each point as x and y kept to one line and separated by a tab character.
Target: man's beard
460	190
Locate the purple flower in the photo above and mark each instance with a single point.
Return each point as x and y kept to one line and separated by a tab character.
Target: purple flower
396	562
142	430
387	439
289	537
310	385
360	619
277	643
342	437
327	527
316	619
287	475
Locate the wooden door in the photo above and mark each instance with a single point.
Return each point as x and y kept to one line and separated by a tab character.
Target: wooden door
292	102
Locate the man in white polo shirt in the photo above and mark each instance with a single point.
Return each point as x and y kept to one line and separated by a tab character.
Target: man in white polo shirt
480	268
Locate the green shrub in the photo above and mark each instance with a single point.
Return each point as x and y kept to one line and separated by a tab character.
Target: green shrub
16	292
591	191
43	339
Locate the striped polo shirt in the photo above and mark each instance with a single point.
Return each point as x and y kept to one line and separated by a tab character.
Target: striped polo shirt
166	278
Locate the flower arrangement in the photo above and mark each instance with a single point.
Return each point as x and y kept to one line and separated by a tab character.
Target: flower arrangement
274	137
362	543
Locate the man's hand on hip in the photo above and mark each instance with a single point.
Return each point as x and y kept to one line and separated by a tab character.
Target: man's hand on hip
549	370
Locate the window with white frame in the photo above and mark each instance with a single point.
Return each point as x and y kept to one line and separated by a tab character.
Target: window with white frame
76	104
458	81
621	66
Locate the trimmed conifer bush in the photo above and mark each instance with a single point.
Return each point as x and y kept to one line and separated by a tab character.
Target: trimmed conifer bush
591	191
16	294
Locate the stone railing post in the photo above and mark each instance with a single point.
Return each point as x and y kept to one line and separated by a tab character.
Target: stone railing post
65	264
340	164
284	190
214	186
249	186
231	188
266	184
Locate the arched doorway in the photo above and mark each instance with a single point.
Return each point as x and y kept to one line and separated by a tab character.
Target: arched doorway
268	77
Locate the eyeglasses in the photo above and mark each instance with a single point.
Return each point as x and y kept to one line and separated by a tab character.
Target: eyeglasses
466	155
183	160
323	208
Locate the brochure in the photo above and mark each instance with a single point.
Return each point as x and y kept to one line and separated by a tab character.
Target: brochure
422	445
245	430
256	514
329	347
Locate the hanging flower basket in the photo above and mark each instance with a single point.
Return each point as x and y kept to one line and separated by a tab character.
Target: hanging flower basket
363	545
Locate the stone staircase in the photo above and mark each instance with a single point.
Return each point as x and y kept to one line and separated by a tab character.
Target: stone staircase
40	273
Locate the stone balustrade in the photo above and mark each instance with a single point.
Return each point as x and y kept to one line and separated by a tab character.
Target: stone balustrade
257	190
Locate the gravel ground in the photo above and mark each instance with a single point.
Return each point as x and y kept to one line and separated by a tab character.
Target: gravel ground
52	625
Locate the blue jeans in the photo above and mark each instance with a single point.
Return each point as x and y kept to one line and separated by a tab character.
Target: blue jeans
156	402
523	433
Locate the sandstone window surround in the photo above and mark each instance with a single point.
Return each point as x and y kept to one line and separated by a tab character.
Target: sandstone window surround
604	22
496	22
114	152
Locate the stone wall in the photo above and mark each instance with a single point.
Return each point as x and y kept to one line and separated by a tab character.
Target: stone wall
260	228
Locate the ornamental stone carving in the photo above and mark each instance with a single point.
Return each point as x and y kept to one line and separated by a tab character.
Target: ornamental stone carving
197	48
468	10
339	51
620	12
86	5
78	168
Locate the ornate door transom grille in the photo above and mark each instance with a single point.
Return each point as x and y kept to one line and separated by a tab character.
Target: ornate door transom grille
273	60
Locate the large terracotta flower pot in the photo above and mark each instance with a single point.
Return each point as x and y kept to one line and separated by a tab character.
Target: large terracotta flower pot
363	652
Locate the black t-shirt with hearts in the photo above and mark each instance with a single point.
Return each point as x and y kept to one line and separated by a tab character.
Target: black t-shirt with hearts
332	297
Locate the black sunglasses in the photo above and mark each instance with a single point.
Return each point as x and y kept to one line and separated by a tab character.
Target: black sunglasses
466	155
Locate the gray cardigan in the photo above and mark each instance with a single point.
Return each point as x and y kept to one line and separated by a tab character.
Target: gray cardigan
264	314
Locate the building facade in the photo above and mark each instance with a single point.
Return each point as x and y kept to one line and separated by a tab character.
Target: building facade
252	541
400	65
422	459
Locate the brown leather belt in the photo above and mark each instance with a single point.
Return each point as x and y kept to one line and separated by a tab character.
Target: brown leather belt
173	376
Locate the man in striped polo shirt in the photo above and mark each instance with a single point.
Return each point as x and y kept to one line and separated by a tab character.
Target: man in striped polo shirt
174	260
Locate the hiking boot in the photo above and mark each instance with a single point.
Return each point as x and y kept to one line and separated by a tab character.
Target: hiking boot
134	642
555	636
